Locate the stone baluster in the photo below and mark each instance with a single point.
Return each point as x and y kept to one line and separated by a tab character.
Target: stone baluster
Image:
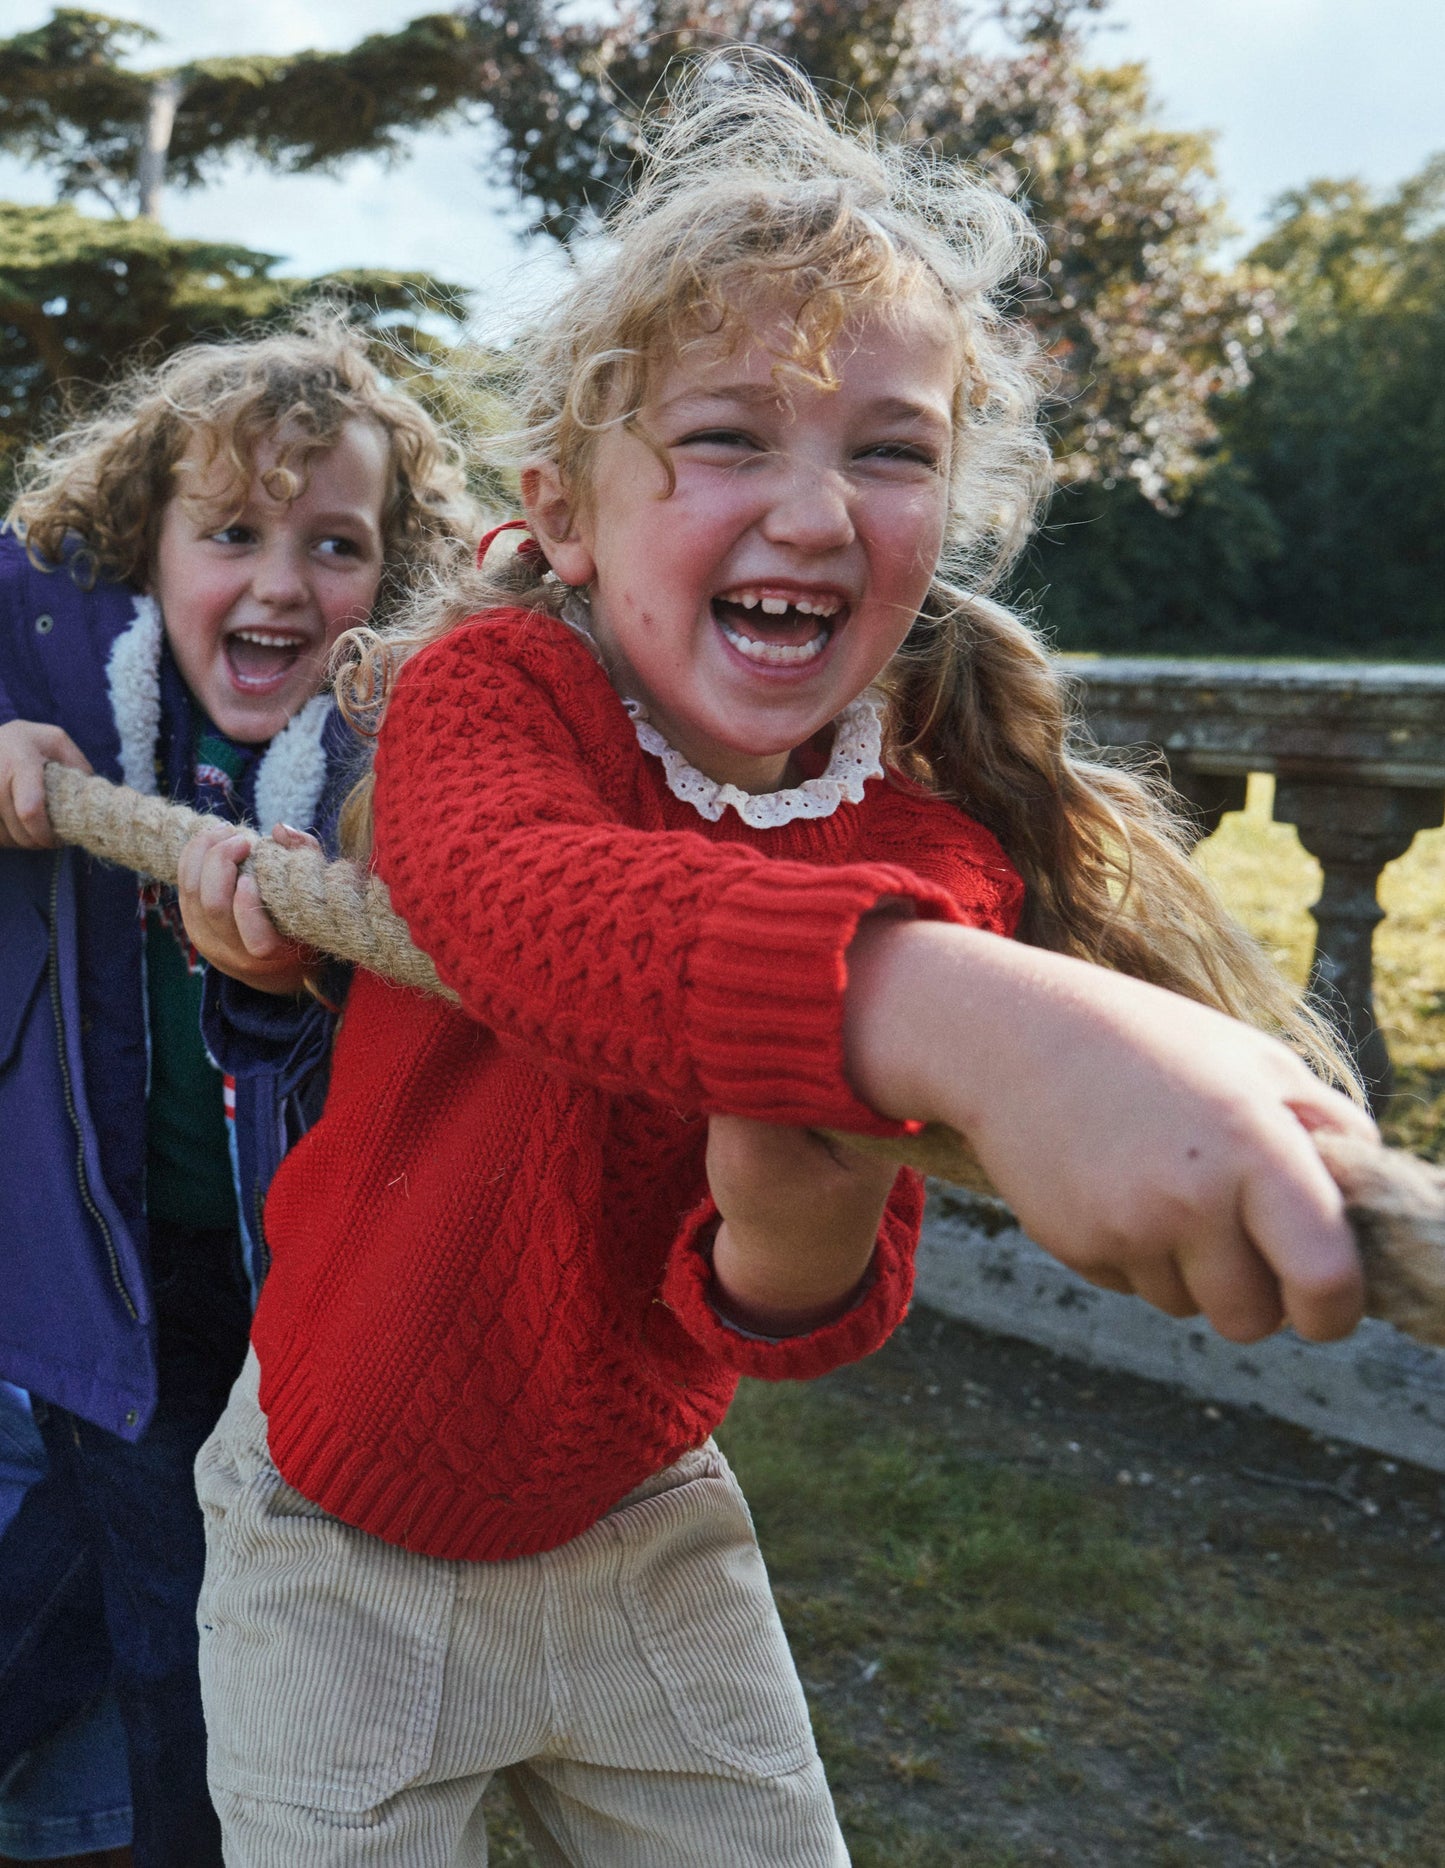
1354	830
1358	750
1209	795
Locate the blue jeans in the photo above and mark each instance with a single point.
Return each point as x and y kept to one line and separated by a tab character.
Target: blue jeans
100	1570
71	1794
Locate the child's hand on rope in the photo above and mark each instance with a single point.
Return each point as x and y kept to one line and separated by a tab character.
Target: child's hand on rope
224	914
800	1217
25	745
1149	1143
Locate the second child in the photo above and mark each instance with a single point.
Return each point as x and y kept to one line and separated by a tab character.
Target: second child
177	570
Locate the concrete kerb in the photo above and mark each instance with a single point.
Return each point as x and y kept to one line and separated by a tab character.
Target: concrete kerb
1378	1389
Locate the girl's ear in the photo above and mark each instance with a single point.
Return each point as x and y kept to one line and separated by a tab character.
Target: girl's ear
555	522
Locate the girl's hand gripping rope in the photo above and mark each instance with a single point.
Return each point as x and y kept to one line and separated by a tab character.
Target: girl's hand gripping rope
1150	1144
224	915
25	747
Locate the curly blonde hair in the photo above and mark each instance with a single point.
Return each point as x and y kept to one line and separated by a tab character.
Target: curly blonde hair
751	197
100	484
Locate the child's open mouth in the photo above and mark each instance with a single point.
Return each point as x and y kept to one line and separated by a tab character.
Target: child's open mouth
261	659
778	628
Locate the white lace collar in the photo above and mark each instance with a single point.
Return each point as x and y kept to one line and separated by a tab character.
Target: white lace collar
856	757
292	772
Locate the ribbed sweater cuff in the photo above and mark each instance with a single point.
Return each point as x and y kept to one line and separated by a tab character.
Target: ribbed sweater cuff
687	1291
766	978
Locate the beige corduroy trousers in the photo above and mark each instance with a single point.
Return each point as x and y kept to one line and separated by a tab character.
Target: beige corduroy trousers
634	1686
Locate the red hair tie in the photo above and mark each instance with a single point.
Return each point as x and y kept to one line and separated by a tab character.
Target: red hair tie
526	547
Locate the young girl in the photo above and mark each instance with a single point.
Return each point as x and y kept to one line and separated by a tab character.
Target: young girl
714	818
179	568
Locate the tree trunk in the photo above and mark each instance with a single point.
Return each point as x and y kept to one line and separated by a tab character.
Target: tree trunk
165	96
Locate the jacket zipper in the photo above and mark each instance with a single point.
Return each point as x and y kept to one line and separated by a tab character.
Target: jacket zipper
71	1111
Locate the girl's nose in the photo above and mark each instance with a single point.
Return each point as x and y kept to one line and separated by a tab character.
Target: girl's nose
810	511
279	579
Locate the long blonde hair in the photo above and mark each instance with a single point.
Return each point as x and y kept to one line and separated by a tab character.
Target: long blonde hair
99	485
749	191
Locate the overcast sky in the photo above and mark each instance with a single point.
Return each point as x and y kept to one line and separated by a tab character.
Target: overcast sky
1292	88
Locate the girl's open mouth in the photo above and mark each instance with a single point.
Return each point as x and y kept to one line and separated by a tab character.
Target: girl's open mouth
260	660
779	629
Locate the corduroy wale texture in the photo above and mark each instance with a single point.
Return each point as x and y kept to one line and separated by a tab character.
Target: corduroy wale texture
634	1687
487	1317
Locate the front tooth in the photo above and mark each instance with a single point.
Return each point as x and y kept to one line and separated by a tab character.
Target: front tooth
775	606
748	602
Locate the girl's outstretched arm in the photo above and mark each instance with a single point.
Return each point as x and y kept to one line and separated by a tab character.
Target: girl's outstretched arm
1149	1143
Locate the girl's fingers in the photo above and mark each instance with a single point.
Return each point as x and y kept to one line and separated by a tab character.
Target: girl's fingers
25	746
1159	1283
258	932
1106	1277
30	821
289	838
1233	1287
190	865
1296	1217
217	887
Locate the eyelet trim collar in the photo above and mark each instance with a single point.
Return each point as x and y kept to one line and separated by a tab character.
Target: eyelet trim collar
856	757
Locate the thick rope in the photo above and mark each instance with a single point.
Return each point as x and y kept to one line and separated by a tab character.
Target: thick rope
332	907
1395	1203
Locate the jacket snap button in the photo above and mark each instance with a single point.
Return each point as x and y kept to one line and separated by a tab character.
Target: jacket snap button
130	1417
44	625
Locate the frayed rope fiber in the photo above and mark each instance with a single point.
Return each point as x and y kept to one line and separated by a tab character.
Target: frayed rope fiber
1395	1202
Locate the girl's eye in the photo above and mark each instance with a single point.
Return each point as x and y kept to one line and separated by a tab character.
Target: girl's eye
234	535
731	438
341	547
913	453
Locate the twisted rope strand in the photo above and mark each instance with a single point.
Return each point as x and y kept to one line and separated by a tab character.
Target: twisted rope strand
332	907
1396	1204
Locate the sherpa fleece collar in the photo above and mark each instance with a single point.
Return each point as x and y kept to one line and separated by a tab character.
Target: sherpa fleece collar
292	772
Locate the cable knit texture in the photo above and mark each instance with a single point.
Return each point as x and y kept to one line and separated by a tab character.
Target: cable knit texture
487	1317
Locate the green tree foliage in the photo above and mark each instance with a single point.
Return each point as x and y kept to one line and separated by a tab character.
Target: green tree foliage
79	293
73	106
1317	527
1343	425
1140	323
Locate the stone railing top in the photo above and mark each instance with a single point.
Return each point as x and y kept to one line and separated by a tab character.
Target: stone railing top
1377	722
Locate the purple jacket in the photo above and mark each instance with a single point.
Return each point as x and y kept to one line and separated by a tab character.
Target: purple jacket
76	1317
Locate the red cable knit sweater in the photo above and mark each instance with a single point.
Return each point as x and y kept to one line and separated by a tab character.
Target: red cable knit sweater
487	1316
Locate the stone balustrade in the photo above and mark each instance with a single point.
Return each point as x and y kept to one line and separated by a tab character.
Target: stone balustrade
1358	755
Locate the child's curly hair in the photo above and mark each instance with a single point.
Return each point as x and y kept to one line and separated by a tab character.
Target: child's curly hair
100	485
751	202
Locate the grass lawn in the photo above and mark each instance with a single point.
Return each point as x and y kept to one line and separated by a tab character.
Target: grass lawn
1049	1617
